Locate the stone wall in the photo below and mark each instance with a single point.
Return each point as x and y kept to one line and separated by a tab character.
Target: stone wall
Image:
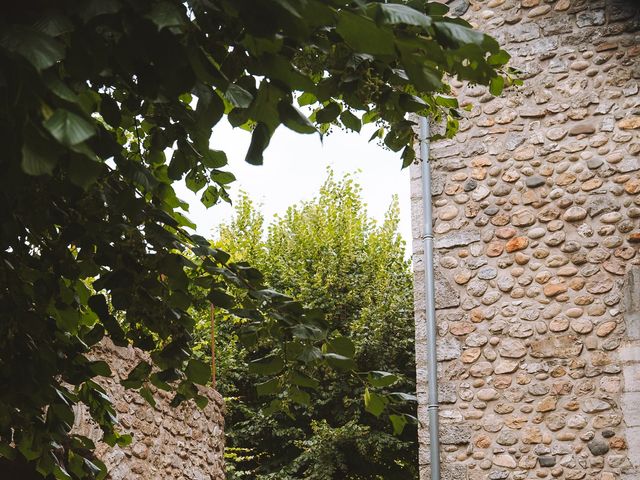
537	226
168	443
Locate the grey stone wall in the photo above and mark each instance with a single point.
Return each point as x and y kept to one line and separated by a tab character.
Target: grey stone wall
168	443
537	224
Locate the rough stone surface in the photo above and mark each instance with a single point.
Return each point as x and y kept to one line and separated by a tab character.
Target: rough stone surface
538	216
169	443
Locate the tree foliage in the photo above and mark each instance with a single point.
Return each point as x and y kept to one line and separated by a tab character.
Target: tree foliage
329	254
104	104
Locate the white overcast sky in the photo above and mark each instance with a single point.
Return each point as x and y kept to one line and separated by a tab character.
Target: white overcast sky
295	166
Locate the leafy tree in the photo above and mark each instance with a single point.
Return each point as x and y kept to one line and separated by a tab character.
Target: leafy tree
104	104
329	254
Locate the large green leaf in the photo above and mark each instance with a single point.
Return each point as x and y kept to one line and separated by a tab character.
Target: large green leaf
38	158
269	365
69	128
198	371
166	14
374	403
395	13
363	35
37	48
293	118
381	379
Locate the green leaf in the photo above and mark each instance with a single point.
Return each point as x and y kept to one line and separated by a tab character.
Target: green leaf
269	365
195	180
210	196
90	9
303	380
68	128
214	159
198	372
39	49
220	298
398	422
310	354
403	397
350	121
259	142
307	332
499	58
342	346
83	171
411	103
223	178
148	396
268	388
293	118
496	86
238	96
307	98
137	375
363	35
329	113
374	403
340	362
59	473
381	379
100	368
165	14
459	34
299	396
38	158
394	13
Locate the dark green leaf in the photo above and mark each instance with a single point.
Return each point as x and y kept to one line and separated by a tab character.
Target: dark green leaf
342	346
339	362
328	114
38	158
259	142
37	48
238	96
350	121
165	14
381	379
292	118
137	376
394	13
268	388
269	365
198	372
68	128
363	35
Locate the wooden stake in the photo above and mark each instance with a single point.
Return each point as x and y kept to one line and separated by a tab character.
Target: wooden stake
213	346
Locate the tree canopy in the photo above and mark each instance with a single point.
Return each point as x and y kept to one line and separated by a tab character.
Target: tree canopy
104	105
330	255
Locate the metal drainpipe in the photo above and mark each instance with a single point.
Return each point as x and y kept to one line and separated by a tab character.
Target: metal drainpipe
429	290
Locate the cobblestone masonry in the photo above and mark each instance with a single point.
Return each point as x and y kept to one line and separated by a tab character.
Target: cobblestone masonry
537	225
169	443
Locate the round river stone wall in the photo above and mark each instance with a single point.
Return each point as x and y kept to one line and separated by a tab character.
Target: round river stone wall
184	442
537	231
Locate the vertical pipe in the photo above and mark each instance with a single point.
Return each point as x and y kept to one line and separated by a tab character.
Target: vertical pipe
432	361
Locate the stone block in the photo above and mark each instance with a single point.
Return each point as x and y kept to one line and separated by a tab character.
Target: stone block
633	440
455	434
631	303
631	374
630	403
459	238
